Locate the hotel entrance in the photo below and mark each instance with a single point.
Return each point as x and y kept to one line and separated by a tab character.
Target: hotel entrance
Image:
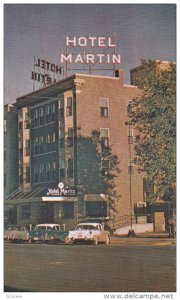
47	213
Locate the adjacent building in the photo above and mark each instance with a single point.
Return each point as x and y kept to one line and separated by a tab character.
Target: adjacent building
75	152
10	149
11	181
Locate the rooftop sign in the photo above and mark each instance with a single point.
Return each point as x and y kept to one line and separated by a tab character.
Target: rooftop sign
45	72
90	50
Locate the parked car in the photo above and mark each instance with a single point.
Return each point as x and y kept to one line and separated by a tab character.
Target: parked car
51	233
89	232
16	233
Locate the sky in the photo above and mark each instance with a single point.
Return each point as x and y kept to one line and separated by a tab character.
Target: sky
142	30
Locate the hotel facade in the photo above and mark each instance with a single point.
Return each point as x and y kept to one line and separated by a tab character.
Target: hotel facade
75	152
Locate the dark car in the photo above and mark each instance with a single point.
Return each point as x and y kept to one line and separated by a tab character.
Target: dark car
50	233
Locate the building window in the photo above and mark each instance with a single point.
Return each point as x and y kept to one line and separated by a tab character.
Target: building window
104	107
21	175
69	107
61	108
130	107
104	136
35	118
41	173
36	143
52	110
53	170
27	174
61	169
41	142
105	166
67	210
96	209
53	140
41	116
26	211
47	113
48	142
20	148
70	137
27	121
70	168
27	147
48	171
36	173
61	137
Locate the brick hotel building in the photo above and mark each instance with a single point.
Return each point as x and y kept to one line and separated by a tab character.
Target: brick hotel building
55	151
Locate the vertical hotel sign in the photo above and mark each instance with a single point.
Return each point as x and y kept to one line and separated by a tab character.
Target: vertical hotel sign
45	72
85	50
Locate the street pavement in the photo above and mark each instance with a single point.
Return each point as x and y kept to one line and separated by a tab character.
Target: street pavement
139	264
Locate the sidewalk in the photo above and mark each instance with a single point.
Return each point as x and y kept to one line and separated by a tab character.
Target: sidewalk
142	231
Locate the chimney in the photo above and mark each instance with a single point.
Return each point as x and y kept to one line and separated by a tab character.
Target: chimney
120	75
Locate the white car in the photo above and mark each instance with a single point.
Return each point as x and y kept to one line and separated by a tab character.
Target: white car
89	232
16	233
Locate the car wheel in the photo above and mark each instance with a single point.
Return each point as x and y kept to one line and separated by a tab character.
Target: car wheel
68	241
96	241
107	240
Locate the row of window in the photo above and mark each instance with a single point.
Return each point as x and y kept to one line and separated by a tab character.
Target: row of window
47	143
43	115
50	171
43	144
46	114
43	173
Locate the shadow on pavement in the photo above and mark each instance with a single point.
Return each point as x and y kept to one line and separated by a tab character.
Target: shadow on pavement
13	289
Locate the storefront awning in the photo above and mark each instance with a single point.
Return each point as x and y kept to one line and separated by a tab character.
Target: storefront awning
59	199
22	200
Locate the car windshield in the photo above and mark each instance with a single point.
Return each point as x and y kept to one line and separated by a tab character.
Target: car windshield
40	227
82	227
57	228
47	228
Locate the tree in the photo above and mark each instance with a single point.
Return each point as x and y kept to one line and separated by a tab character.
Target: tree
98	169
154	116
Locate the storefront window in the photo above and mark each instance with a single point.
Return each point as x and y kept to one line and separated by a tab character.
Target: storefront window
26	211
68	210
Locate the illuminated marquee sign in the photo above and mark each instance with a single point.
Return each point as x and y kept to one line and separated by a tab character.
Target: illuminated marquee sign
61	190
90	43
45	72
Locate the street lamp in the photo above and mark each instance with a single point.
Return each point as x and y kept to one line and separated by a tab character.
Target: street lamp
131	232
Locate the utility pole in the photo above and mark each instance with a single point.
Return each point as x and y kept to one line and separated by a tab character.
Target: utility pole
131	232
